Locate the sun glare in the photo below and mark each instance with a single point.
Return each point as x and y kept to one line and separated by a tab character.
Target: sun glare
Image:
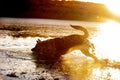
107	41
112	5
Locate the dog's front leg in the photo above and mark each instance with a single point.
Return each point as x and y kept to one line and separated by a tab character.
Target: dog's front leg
86	52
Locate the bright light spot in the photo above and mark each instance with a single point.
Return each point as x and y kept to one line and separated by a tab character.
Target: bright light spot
113	6
105	74
107	41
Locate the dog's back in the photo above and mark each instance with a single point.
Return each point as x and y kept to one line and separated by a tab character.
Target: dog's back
65	42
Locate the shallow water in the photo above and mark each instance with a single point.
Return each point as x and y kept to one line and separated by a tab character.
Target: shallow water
16	62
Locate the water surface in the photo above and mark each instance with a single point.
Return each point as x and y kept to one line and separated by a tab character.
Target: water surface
15	52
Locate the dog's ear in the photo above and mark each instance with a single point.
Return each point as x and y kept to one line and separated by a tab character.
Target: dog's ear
39	41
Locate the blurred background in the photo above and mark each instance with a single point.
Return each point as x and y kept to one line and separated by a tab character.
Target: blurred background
87	10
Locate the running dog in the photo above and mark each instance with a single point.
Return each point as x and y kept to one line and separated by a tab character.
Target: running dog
51	50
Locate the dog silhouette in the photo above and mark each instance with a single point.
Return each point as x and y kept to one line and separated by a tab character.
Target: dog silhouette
51	50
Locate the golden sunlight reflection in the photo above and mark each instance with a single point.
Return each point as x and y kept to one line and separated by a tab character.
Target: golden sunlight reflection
113	6
107	40
106	74
107	45
77	65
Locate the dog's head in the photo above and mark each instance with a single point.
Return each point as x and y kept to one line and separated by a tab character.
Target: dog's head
37	45
44	47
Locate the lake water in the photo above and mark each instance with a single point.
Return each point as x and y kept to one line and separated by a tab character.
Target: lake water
15	52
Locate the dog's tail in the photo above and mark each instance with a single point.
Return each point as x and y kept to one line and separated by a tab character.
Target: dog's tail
86	34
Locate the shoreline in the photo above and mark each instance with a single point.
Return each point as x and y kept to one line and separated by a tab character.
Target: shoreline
37	21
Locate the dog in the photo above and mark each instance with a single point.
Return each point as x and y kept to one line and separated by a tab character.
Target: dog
51	50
